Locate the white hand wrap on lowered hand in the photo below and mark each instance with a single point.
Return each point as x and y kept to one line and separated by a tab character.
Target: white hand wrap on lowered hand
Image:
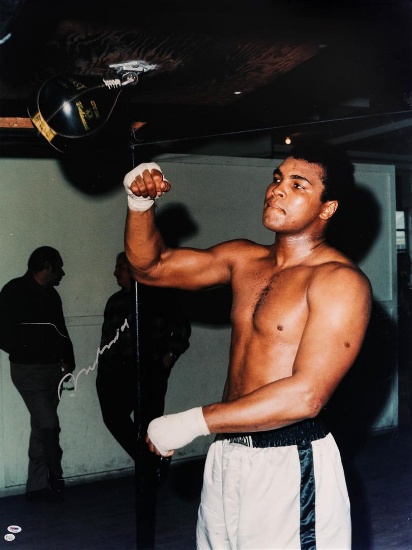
173	431
139	204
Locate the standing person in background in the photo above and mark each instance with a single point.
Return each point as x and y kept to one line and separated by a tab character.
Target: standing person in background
164	335
34	334
299	315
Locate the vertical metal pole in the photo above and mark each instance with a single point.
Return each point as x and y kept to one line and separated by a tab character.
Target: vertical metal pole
145	486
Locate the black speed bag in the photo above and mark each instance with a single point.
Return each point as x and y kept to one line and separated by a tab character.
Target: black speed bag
68	108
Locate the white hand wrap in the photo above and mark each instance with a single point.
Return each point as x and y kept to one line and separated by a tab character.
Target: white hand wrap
173	431
139	204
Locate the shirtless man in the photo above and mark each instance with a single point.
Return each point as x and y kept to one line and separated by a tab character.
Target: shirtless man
273	476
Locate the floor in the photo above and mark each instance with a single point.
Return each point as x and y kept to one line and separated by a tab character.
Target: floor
101	515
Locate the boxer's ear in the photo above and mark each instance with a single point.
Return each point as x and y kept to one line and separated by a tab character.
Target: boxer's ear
329	208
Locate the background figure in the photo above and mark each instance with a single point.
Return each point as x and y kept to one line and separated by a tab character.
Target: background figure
164	334
34	334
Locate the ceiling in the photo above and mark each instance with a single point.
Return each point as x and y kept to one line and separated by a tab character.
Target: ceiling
226	71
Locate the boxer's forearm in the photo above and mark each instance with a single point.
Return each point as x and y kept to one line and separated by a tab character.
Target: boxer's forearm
143	242
272	406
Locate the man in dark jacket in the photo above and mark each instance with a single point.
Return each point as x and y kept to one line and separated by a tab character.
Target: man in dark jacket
164	333
34	334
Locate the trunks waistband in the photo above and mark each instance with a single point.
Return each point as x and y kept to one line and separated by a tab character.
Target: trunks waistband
300	433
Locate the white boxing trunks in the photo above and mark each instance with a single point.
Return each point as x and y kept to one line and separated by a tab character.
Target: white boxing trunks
277	490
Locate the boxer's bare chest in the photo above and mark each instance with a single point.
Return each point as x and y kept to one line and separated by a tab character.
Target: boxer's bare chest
273	300
269	314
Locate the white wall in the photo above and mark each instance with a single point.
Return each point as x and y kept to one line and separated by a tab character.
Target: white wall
224	197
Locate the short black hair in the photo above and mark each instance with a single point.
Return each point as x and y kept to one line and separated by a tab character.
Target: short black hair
338	170
43	255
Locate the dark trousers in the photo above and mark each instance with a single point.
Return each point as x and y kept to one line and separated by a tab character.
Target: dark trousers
38	386
118	396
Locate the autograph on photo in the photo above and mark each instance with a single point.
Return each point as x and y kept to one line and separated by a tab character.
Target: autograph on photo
69	377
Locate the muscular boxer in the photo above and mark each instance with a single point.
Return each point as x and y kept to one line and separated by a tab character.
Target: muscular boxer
273	477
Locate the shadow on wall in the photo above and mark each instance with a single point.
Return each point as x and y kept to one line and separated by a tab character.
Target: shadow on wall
353	231
362	395
95	174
